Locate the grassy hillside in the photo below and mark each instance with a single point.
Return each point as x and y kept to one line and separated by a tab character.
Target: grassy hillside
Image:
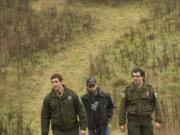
73	62
108	43
154	45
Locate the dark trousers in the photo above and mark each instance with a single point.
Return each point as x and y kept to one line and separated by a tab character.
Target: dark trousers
74	131
99	131
140	126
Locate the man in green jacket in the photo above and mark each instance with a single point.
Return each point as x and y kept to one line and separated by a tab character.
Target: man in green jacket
138	102
64	109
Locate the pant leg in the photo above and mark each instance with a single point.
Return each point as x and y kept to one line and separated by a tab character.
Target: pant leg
147	128
74	131
56	132
99	131
105	131
91	132
134	128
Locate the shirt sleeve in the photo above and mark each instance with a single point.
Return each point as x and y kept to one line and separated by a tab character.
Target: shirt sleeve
110	107
158	108
122	109
80	110
45	117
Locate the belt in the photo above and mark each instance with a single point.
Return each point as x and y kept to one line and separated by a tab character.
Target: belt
138	117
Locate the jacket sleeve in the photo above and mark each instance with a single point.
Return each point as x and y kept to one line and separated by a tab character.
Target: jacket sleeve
80	110
45	117
158	109
110	106
122	109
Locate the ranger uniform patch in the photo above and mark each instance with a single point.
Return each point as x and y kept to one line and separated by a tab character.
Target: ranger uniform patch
147	93
69	97
155	94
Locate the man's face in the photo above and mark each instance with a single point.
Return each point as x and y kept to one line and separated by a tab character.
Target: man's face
56	84
92	88
137	78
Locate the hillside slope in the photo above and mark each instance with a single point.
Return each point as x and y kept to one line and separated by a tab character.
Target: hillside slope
73	62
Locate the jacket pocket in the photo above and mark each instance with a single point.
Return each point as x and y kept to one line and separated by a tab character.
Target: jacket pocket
56	121
54	105
132	104
68	106
147	105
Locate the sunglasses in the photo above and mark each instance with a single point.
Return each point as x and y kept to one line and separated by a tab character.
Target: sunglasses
91	86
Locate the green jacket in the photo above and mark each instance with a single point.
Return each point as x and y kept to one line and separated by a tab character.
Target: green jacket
140	102
62	112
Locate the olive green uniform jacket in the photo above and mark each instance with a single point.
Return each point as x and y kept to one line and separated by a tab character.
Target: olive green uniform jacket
139	102
64	112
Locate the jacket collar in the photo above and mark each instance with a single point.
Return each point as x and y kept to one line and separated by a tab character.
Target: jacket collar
99	91
65	93
132	86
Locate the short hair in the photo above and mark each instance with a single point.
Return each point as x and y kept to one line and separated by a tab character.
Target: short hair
56	75
141	71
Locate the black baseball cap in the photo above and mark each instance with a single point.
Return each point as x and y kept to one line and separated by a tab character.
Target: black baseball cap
90	81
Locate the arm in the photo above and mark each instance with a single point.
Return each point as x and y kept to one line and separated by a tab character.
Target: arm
110	106
158	109
122	110
45	117
80	110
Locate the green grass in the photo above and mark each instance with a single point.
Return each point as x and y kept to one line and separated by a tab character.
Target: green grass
164	78
73	62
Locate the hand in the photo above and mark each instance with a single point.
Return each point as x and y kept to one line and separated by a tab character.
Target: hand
157	125
82	132
122	128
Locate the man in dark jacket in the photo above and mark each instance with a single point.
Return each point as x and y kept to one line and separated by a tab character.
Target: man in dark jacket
138	102
61	107
99	108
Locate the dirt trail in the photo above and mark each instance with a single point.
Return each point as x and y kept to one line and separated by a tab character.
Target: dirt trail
73	62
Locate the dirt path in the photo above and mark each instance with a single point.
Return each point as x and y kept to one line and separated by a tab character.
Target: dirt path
73	62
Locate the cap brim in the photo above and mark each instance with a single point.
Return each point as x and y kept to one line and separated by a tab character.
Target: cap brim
91	83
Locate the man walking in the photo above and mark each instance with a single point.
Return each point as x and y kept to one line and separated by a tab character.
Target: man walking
138	102
99	108
63	108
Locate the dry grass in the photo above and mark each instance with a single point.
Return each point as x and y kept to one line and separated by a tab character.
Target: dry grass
73	62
